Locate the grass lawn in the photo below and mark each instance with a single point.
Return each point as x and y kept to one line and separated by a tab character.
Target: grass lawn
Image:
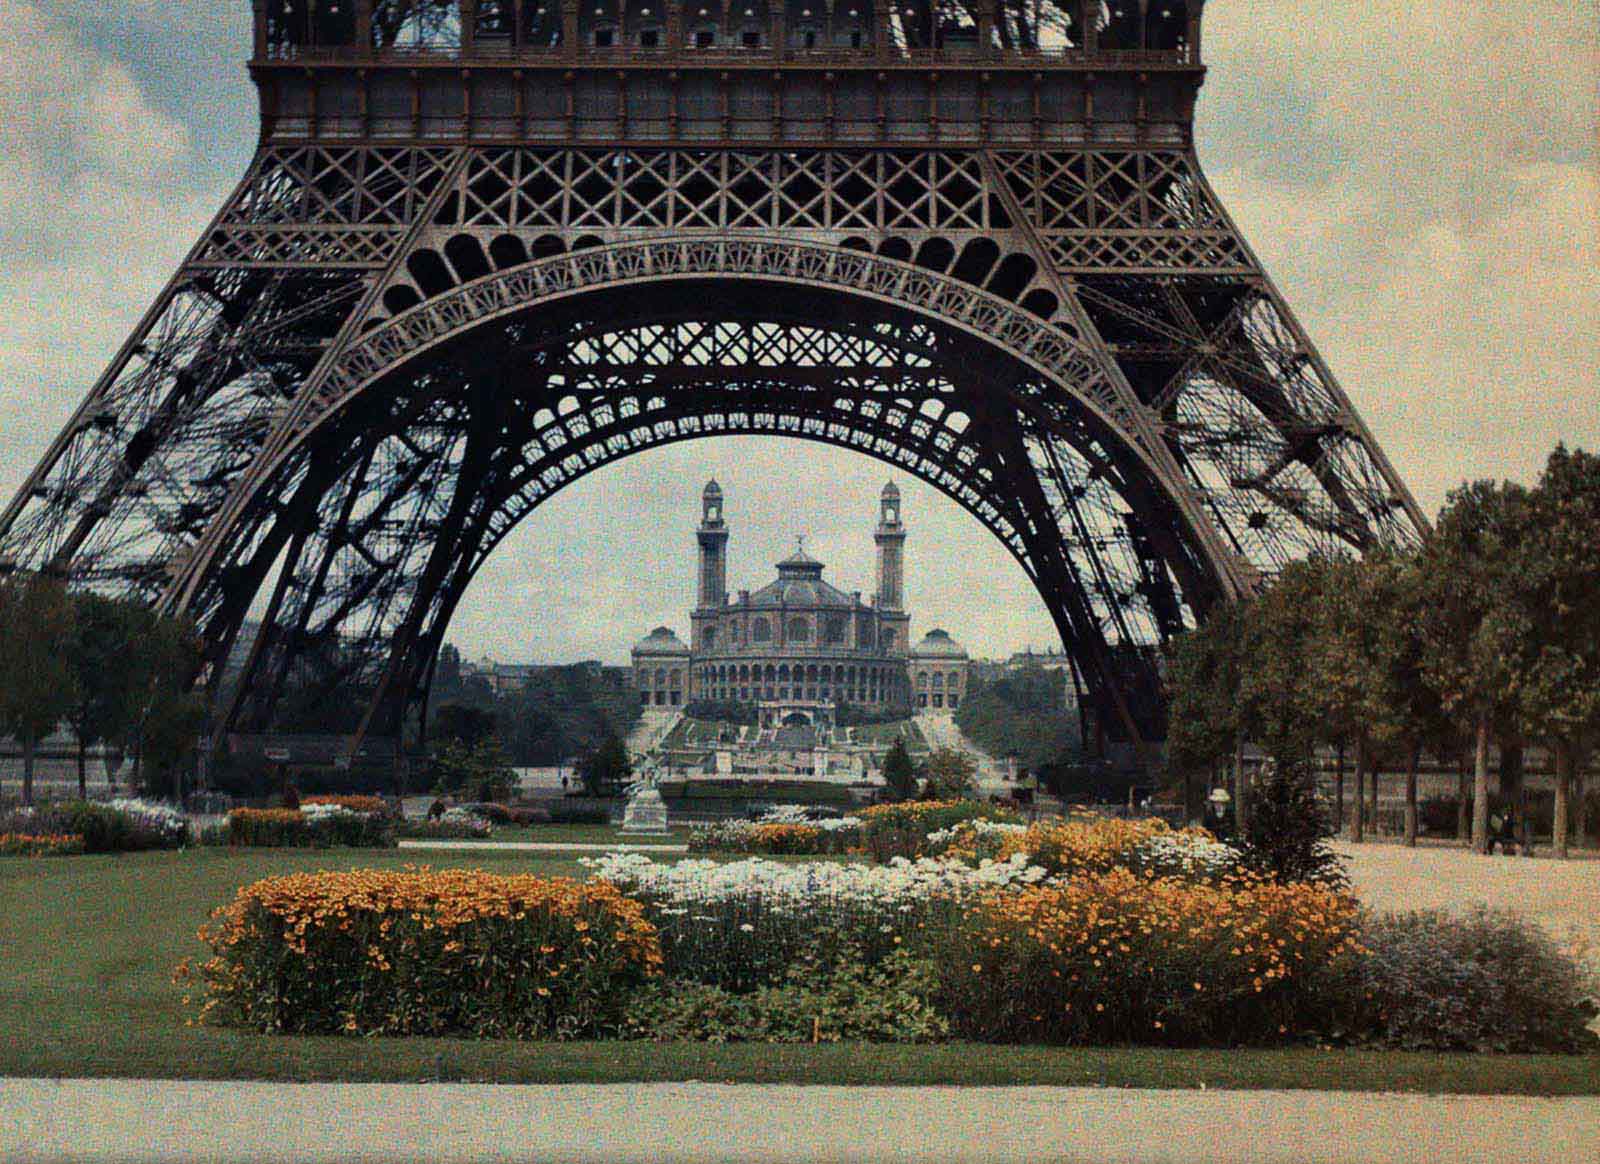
87	945
583	834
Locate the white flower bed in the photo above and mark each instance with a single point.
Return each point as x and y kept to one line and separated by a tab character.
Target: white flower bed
796	814
1187	855
320	812
165	821
995	830
465	816
797	887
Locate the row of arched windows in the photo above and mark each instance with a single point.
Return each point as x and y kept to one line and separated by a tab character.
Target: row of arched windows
662	686
847	674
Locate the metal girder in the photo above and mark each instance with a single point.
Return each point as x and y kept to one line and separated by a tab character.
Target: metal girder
1073	341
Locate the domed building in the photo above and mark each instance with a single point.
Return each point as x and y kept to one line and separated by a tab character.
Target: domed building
798	646
938	670
661	669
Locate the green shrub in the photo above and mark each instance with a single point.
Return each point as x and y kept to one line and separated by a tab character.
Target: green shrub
1288	830
847	1002
458	951
578	814
1487	981
495	814
463	827
125	826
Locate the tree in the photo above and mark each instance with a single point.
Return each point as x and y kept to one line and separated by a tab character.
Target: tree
1203	679
1367	683
1560	698
899	777
1475	629
951	772
37	685
1024	713
1276	686
104	633
1276	683
478	769
163	716
462	724
604	767
1288	830
1344	659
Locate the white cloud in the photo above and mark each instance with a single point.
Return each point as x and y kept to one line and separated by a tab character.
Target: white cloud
99	200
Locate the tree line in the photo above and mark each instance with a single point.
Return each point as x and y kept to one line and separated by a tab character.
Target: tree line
556	714
1024	713
1488	634
111	670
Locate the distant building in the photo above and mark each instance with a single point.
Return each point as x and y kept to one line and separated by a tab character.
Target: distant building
799	646
1050	660
504	678
939	667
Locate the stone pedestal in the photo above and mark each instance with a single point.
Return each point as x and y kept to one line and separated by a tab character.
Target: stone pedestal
646	814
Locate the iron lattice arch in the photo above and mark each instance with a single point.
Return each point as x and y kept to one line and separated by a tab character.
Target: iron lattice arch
1005	274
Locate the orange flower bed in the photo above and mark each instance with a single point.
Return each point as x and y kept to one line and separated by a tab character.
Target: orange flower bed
1082	843
372	804
50	845
910	809
422	952
1116	957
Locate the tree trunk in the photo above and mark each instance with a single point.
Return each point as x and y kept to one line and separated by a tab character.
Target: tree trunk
1580	814
1558	832
28	747
1338	785
1412	762
1513	787
1241	791
83	779
1372	817
1358	831
1463	796
1480	786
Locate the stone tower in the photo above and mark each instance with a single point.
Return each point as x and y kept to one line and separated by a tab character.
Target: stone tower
713	538
891	539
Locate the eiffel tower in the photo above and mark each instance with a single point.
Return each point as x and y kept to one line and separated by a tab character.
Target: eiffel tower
487	247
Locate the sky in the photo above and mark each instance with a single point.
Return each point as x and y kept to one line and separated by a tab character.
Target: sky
1419	179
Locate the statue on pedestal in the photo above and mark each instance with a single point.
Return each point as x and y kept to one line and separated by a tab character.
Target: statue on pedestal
646	813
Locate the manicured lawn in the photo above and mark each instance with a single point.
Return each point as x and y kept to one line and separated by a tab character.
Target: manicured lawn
87	945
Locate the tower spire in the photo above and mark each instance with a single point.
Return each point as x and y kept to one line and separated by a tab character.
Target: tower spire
891	539
713	538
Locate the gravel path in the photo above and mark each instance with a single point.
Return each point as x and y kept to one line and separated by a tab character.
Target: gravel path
44	1121
1562	896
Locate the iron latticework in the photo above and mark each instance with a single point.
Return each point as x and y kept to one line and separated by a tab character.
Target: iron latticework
486	248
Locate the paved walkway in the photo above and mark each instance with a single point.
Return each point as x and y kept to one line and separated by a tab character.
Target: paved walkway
136	1121
546	846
